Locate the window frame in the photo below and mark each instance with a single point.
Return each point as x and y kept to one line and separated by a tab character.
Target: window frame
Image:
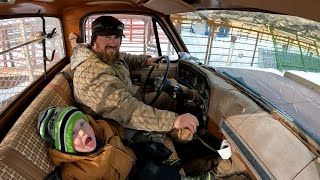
159	21
13	110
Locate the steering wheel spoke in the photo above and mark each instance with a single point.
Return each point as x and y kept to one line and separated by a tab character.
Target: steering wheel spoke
161	84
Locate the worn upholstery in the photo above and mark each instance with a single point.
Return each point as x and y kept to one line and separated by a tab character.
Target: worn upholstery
22	150
23	154
9	173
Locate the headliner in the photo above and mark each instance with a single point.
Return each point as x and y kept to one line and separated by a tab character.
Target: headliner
306	8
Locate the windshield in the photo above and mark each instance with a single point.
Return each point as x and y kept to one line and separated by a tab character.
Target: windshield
274	56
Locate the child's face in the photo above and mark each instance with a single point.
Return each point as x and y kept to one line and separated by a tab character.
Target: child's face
84	139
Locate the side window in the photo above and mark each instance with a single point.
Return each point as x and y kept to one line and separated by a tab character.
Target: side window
139	35
21	60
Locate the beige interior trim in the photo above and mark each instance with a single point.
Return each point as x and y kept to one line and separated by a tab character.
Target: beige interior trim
168	7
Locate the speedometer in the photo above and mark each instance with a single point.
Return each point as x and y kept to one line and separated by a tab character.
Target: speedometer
194	80
202	86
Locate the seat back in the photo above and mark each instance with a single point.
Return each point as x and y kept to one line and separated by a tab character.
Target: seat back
23	154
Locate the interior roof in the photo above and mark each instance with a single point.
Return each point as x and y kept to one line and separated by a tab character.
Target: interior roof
303	8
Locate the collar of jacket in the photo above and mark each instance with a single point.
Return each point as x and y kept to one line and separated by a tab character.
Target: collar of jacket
83	52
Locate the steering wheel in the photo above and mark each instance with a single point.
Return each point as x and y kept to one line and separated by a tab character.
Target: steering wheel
164	80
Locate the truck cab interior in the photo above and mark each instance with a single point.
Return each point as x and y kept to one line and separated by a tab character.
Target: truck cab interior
268	138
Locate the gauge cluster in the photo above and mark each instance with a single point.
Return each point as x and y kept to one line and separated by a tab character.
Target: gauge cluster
192	78
190	75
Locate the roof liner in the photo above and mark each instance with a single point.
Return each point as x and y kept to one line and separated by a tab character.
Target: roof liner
303	8
306	8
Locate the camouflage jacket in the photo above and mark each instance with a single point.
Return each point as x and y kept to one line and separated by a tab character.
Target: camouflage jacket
107	89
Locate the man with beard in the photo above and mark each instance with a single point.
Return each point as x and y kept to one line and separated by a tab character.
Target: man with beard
102	83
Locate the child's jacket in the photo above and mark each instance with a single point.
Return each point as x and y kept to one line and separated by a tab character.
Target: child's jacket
112	161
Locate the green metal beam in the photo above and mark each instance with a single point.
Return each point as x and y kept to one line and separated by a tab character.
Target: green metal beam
274	40
301	55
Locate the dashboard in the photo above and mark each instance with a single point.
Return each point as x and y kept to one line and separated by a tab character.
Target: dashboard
258	138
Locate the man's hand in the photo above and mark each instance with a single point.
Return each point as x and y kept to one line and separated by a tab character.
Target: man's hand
186	120
152	61
181	135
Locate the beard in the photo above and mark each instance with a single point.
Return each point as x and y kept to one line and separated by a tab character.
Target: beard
109	58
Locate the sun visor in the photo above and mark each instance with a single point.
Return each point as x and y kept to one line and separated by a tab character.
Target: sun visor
169	6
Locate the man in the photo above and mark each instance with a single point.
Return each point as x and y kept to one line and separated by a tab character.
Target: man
102	82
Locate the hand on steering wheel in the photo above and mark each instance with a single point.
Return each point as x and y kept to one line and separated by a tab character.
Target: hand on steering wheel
165	77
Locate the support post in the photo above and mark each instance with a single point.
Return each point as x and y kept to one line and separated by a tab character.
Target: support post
316	46
211	36
274	40
233	41
301	55
255	48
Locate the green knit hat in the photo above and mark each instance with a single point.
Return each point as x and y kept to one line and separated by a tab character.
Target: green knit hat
55	126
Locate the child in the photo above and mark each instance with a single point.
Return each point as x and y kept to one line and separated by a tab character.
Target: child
83	147
89	149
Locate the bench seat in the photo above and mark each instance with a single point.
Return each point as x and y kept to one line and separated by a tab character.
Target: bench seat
23	154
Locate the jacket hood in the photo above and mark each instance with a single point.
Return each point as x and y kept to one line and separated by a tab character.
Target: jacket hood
81	53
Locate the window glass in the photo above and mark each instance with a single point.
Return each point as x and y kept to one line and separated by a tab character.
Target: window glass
250	39
139	35
22	64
